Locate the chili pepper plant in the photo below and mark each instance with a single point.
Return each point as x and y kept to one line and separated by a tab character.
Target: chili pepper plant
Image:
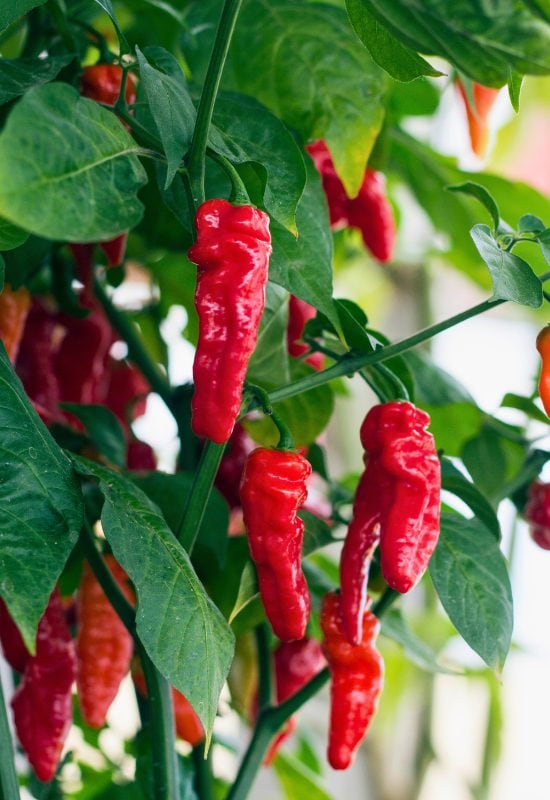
253	163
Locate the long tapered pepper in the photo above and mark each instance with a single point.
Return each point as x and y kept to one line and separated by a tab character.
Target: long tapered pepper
477	112
232	254
543	346
14	307
272	490
42	705
356	680
396	504
103	645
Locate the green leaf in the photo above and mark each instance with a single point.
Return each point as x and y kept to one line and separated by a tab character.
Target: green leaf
395	627
252	133
470	576
484	197
269	363
515	81
107	6
11	10
79	184
20	74
10	235
104	430
40	506
544	242
306	414
247	593
298	780
485	41
172	110
512	277
432	385
397	59
303	266
453	424
168	493
529	223
539	7
525	404
452	480
183	632
317	534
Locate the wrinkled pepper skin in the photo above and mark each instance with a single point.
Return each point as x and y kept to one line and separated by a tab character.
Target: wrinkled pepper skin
296	663
396	505
356	681
103	645
543	346
478	127
42	704
232	254
14	307
299	312
537	513
370	212
273	488
13	646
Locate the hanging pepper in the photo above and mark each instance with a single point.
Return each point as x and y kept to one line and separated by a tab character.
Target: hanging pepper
370	212
543	346
126	392
103	645
140	456
80	359
42	705
396	504
477	114
102	83
14	307
187	723
537	513
230	472
35	361
296	663
356	680
299	312
13	646
272	490
232	253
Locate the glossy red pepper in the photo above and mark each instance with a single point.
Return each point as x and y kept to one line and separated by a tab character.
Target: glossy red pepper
299	312
537	513
296	663
103	645
356	681
477	113
396	503
370	212
232	254
42	704
13	646
272	490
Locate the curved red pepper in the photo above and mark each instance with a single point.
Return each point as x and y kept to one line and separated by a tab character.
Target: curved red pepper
232	254
42	704
272	490
356	680
396	503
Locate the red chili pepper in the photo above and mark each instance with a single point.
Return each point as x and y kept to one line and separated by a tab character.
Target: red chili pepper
396	503
42	703
357	678
296	663
272	490
127	391
299	312
102	83
483	100
537	513
80	360
35	361
13	646
232	253
103	645
370	212
140	456
14	307
543	346
230	472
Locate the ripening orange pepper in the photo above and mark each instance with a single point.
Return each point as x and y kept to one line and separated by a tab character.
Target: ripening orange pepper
483	100
543	346
14	307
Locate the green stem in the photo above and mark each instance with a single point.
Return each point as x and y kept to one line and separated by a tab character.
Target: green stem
136	349
271	719
9	785
239	195
162	736
265	665
193	512
57	10
203	772
197	152
286	439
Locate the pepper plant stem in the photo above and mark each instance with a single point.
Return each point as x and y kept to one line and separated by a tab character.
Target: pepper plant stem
272	718
193	512
9	785
265	687
197	152
203	772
